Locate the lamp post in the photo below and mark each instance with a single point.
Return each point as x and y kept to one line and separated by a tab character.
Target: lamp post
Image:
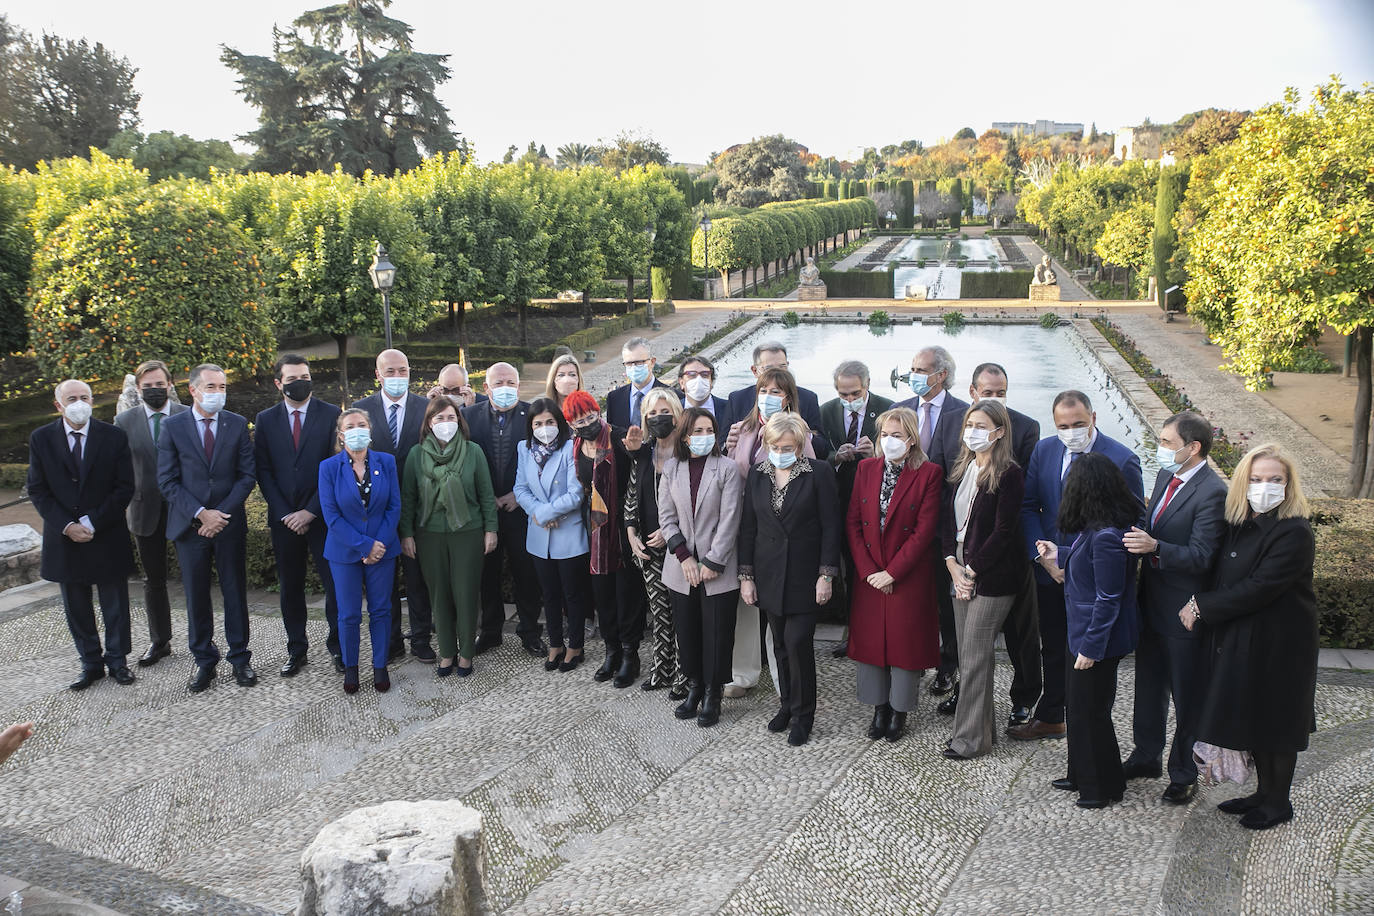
705	226
650	233
383	274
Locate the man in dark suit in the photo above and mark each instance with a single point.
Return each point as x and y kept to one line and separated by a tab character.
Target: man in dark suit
1021	629
941	418
622	404
290	441
848	422
148	512
773	355
205	471
1076	434
696	375
453	382
396	416
1184	525
81	479
497	424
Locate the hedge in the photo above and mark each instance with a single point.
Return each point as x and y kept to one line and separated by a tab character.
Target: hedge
857	284
1343	577
1002	284
588	338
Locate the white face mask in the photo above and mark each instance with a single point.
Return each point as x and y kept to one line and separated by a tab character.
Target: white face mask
546	434
445	431
1001	400
212	402
77	413
977	440
1265	496
853	406
1075	440
698	389
894	449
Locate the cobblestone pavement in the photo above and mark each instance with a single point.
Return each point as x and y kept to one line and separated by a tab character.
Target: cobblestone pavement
147	799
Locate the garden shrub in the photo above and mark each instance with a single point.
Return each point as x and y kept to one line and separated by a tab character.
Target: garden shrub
1343	577
1001	284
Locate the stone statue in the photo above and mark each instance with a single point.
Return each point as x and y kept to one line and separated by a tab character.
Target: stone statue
1044	274
810	274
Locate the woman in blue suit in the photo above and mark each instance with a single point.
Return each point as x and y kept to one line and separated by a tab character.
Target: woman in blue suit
547	488
1100	603
361	500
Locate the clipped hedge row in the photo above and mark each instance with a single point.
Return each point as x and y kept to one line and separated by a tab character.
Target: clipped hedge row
1343	577
857	284
1002	284
588	338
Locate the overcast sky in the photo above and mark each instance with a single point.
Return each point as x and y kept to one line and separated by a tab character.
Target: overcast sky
701	76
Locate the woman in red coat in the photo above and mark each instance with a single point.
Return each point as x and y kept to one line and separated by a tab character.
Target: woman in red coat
894	516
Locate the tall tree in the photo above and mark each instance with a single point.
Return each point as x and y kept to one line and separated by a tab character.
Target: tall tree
344	88
576	155
629	150
761	171
169	155
60	97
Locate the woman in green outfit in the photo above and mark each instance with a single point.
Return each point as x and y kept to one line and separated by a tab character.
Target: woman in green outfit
448	521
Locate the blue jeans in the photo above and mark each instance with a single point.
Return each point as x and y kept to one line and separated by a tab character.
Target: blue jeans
350	579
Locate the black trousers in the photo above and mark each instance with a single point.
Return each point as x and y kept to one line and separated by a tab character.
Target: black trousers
1054	647
1094	755
152	556
794	651
1168	666
1021	630
1274	770
227	552
417	605
292	552
567	591
114	609
621	606
949	638
525	582
705	627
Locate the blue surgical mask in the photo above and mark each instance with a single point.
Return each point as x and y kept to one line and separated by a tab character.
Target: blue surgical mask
1165	457
504	397
769	404
782	460
853	406
212	402
357	438
701	445
395	386
637	375
919	382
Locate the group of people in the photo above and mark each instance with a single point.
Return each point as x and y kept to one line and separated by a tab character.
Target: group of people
702	523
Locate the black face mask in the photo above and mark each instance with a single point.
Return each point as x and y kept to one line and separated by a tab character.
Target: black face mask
660	425
155	398
590	431
298	389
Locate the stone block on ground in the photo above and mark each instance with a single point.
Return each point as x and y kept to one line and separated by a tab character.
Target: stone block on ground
1040	292
811	293
18	539
421	858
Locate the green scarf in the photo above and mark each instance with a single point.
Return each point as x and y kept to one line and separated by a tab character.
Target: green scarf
440	478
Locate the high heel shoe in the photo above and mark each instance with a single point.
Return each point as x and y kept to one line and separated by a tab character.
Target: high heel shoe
461	671
351	679
381	680
881	715
687	709
553	662
570	661
444	671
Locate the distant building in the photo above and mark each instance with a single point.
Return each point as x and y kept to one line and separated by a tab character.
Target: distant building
1137	143
1041	128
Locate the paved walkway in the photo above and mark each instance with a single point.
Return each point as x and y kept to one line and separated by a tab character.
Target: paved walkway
149	800
1069	288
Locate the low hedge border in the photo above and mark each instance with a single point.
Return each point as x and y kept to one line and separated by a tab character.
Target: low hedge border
588	338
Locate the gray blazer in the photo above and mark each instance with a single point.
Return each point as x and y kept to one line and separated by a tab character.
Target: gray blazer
146	509
710	531
1189	532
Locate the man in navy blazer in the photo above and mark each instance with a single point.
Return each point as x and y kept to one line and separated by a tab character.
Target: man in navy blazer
290	441
940	416
622	404
771	354
1021	629
81	479
205	471
396	416
497	424
1178	546
1076	434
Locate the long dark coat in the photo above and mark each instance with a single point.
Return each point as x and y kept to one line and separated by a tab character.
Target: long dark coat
901	629
1262	618
786	553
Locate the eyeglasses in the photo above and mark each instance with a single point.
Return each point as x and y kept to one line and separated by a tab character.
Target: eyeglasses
636	362
584	422
691	374
461	389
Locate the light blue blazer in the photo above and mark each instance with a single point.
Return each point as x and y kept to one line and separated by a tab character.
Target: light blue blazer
553	493
352	526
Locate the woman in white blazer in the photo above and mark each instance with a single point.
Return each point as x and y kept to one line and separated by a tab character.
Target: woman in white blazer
699	499
546	487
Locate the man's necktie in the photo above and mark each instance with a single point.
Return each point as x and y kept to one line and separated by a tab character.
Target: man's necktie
1163	503
1073	456
927	434
296	429
76	450
157	428
393	424
635	398
209	440
853	434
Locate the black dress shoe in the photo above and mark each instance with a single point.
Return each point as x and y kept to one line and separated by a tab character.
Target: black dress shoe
1065	784
1180	793
780	721
245	676
949	704
842	650
154	652
1095	803
424	653
1265	816
609	666
536	647
570	664
799	735
1241	805
485	643
338	662
202	678
293	665
1020	715
878	727
551	664
944	683
952	754
88	677
444	670
896	725
122	675
687	709
395	654
628	671
381	679
1142	769
710	707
